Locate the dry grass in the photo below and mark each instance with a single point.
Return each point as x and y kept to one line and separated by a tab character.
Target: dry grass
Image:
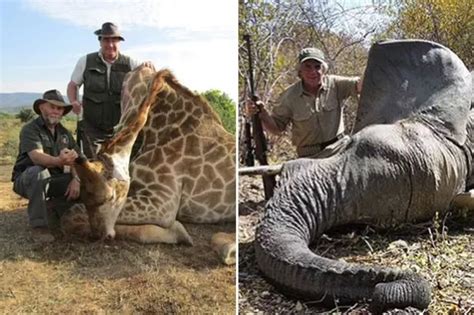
441	251
9	135
78	276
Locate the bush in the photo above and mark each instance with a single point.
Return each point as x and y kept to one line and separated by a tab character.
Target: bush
224	106
9	150
25	115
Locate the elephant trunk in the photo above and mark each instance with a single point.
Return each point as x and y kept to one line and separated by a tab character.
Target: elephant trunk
285	259
382	180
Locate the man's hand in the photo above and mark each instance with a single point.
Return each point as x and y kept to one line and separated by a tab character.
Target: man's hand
73	189
149	64
252	108
67	156
76	107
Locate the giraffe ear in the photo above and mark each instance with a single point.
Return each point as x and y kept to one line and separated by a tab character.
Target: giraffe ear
94	187
89	172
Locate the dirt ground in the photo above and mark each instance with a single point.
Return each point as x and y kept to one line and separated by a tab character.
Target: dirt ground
79	276
442	251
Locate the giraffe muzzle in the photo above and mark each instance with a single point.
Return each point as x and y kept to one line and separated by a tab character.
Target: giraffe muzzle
109	236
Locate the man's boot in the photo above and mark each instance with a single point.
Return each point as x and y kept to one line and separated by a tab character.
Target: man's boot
54	219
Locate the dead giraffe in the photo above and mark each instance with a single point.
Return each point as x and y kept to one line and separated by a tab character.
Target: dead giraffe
184	170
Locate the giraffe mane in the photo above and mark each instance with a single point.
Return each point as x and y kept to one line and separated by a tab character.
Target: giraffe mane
171	80
139	121
162	76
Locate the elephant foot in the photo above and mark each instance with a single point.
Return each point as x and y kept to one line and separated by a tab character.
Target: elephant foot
224	245
149	233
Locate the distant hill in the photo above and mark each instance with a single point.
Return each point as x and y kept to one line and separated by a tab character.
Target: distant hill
14	102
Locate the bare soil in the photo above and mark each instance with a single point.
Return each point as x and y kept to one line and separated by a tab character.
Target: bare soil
79	276
441	250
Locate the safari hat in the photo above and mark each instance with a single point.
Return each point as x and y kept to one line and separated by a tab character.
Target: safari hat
109	29
54	97
311	53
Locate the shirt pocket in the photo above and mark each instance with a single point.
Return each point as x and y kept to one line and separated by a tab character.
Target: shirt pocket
47	144
329	101
96	80
63	142
304	111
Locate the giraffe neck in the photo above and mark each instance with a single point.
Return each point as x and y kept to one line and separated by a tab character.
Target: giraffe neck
120	146
176	115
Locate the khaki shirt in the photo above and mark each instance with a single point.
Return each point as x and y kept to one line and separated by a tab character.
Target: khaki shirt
314	119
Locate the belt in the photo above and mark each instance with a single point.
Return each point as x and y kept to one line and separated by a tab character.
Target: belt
311	150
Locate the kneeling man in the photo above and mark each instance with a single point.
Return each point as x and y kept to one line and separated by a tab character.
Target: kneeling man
43	171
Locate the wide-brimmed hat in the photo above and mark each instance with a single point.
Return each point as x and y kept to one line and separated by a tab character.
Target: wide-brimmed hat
109	29
311	53
54	97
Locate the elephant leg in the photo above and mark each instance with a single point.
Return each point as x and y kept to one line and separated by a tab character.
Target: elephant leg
224	245
149	233
464	200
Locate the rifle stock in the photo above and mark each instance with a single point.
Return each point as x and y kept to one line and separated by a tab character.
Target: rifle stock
257	128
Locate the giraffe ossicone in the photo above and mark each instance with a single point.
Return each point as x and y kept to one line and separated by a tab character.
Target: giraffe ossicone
183	171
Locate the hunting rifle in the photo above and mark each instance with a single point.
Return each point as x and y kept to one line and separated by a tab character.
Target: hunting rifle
257	130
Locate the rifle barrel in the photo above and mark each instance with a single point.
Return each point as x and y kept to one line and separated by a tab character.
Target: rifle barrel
258	134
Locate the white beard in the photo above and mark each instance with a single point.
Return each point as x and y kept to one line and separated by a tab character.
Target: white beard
51	121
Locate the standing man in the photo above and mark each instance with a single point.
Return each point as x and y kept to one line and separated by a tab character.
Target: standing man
313	105
43	169
102	74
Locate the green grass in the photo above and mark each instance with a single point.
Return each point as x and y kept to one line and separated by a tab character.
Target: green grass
10	132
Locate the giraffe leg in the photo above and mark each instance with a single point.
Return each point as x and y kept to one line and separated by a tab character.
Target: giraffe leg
149	233
224	245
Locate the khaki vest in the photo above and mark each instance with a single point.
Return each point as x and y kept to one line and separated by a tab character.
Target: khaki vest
101	98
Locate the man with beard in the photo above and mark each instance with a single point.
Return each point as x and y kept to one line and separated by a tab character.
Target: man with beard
313	105
43	171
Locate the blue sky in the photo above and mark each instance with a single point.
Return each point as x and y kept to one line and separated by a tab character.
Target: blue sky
41	40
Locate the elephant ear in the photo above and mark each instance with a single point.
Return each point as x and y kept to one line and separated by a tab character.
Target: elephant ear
415	79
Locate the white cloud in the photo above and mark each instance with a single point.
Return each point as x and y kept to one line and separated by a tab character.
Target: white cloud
200	64
202	15
39	86
200	37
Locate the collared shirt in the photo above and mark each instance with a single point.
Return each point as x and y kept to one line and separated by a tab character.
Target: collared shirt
78	73
315	119
36	135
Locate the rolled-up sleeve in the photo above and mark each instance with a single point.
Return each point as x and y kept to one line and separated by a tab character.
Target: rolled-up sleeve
346	86
78	73
29	139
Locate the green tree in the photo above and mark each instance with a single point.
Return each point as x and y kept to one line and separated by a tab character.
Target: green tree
448	22
25	115
271	28
224	106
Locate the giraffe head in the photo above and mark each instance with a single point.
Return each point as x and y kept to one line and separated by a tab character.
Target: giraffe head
105	181
103	192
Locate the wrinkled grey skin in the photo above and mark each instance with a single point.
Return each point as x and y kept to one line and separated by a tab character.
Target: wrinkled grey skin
407	159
